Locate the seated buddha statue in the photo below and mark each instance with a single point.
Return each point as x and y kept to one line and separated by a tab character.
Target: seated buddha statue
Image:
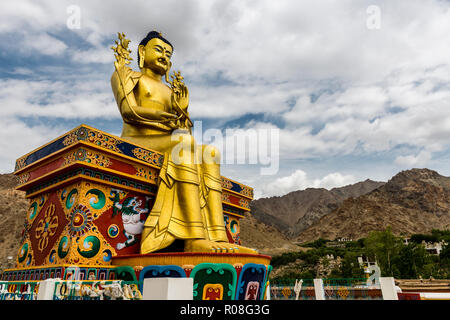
188	203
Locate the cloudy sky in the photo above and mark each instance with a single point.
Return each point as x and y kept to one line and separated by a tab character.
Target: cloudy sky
356	89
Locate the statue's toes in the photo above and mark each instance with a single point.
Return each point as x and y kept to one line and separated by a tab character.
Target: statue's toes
233	250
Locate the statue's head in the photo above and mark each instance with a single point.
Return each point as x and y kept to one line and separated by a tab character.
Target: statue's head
154	52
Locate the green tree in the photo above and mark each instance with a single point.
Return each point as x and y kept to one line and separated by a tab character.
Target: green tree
411	260
350	267
383	246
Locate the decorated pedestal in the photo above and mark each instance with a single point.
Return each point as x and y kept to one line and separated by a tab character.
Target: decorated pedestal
217	276
87	189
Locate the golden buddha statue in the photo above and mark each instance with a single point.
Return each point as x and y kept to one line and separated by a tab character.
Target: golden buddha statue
188	204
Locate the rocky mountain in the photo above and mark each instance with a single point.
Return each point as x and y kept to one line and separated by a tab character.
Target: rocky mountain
266	239
413	201
298	210
12	218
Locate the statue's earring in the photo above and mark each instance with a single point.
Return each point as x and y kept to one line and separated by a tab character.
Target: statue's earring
168	71
167	76
141	60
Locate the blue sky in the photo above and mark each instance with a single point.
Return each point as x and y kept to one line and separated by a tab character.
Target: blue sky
355	92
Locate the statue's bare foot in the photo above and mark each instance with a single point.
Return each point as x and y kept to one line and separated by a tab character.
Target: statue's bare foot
201	245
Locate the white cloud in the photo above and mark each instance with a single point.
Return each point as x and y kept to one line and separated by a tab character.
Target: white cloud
19	139
95	55
41	43
299	180
56	99
373	89
410	161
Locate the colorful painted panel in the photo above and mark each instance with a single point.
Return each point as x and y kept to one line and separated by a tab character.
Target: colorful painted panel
87	174
94	137
93	159
90	193
83	223
214	281
44	231
251	282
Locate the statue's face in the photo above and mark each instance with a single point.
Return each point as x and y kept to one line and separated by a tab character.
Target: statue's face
157	56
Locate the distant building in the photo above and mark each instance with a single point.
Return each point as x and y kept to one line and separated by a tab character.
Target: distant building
434	247
431	247
343	239
338	242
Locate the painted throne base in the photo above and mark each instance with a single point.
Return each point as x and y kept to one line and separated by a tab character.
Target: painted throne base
216	276
82	184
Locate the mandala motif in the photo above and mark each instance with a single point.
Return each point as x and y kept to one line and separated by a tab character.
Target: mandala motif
80	221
